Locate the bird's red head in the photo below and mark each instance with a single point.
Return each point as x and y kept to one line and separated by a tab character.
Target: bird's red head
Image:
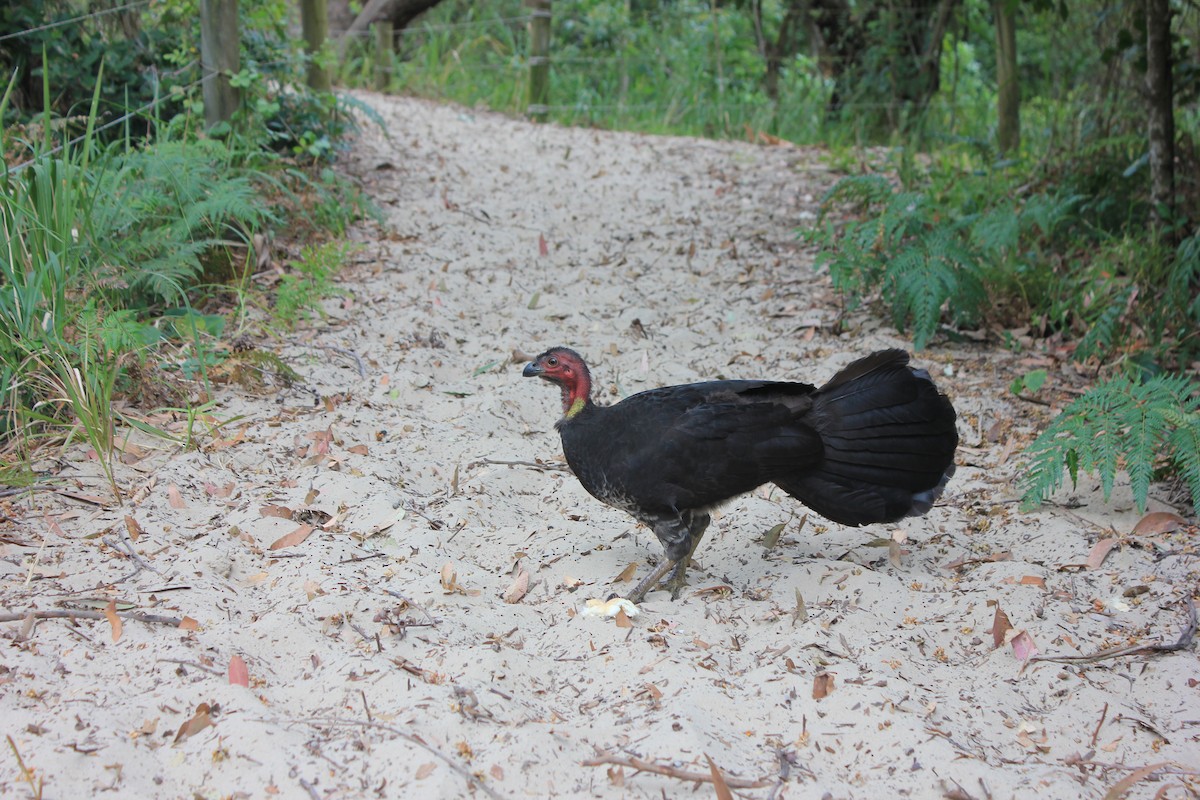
565	367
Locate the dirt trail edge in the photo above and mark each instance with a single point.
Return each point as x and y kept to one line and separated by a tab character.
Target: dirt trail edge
410	502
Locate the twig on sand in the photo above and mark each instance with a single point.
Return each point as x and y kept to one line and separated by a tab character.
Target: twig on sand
639	765
312	790
362	369
530	464
1184	642
408	737
193	664
68	613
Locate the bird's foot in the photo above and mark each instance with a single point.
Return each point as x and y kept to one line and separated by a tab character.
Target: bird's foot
650	583
678	579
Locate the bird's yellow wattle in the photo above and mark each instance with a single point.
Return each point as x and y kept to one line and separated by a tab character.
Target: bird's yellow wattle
575	407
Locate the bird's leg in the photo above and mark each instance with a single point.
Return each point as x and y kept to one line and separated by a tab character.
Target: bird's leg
679	535
697	523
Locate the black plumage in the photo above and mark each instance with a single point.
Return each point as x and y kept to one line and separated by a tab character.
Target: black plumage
874	444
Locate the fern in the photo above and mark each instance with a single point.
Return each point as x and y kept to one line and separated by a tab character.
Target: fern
898	244
1142	427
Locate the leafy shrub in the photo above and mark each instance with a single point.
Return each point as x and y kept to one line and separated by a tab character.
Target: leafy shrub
896	245
1148	428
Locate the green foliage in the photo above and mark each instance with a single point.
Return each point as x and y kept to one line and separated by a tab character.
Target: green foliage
896	244
1147	428
300	292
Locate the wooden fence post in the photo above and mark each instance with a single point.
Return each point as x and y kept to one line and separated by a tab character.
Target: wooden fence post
539	60
314	22
219	51
384	51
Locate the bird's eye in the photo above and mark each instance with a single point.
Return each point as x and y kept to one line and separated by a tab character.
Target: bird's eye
552	361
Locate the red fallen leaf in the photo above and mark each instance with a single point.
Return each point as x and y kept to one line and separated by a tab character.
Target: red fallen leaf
543	248
822	685
200	720
1100	551
134	529
719	784
239	674
1000	627
1159	522
292	539
110	613
358	449
270	510
321	441
174	498
497	772
1023	646
622	619
213	490
1033	580
188	624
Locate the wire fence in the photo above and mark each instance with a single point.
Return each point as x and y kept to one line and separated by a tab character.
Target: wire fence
617	73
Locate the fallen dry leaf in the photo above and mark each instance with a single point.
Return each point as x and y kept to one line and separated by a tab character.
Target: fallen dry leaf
174	498
425	770
189	624
212	490
623	620
1023	646
312	589
497	772
200	720
822	685
449	578
239	674
1159	522
719	784
1122	786
1100	551
270	510
358	449
292	539
626	574
134	529
519	587
110	613
1000	627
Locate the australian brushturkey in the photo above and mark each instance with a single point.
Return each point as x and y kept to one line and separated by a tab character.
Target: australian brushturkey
874	444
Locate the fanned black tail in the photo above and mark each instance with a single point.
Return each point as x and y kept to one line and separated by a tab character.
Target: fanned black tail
889	439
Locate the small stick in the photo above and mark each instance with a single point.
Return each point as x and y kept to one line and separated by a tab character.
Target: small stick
408	737
154	619
362	369
1184	642
312	790
672	772
196	664
530	464
1096	732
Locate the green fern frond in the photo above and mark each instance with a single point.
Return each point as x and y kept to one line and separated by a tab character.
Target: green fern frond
1142	427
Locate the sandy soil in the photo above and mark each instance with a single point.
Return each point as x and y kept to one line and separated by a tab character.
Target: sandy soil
382	656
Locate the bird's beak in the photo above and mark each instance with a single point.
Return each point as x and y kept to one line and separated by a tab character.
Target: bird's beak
532	370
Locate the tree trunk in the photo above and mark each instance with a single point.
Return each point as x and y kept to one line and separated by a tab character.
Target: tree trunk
883	57
1008	96
1160	128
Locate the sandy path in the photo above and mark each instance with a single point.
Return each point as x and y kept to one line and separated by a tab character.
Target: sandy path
373	673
